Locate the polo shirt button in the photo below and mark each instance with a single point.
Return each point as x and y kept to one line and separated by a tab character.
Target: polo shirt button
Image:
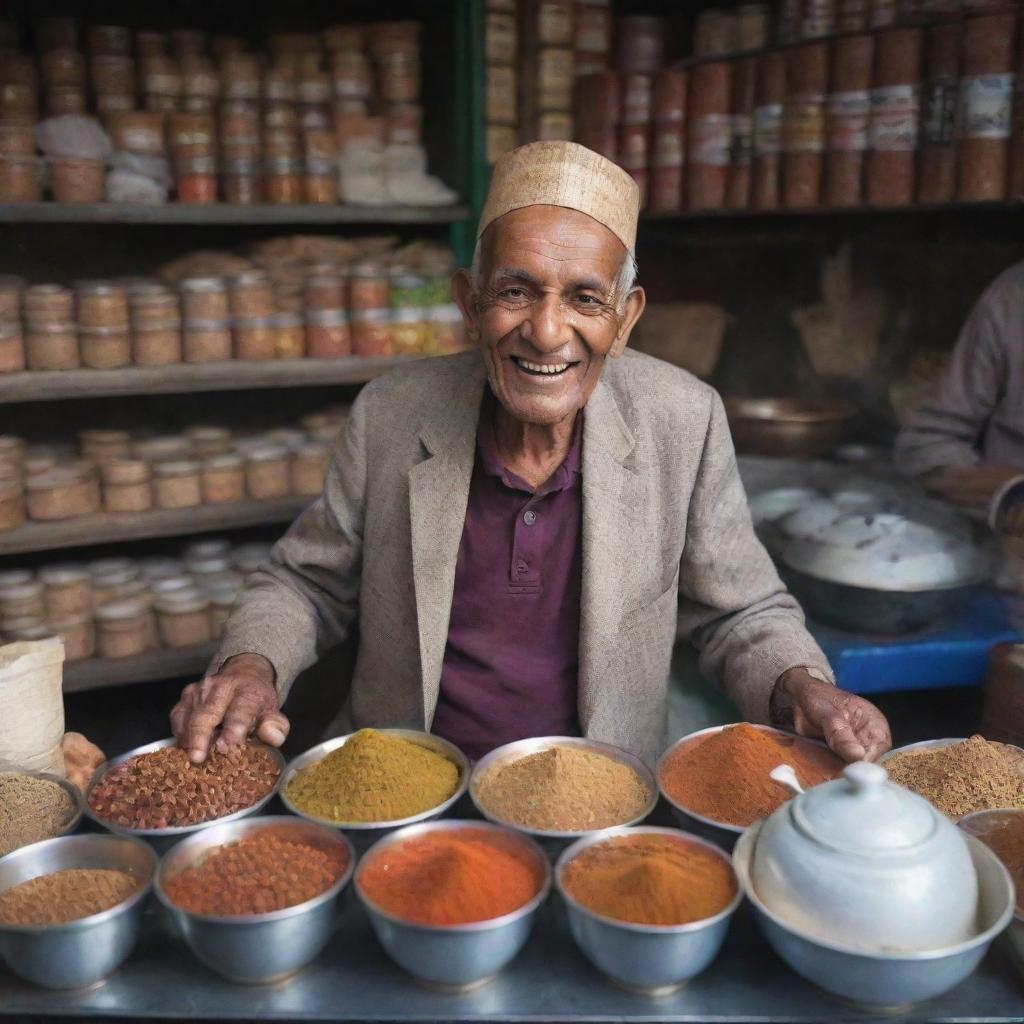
521	567
529	517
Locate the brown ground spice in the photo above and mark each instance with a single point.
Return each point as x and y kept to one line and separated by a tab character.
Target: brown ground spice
974	775
65	896
650	879
564	789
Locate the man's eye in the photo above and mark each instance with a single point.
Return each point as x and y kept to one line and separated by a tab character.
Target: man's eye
588	300
513	293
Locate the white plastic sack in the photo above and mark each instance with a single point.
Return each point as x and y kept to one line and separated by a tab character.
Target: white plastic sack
32	705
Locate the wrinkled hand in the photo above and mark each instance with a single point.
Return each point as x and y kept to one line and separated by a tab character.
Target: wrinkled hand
227	707
971	487
853	727
81	758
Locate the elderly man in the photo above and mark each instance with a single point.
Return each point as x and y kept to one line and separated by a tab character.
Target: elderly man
966	441
518	530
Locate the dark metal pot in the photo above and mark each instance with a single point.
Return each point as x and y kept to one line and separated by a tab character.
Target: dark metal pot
861	610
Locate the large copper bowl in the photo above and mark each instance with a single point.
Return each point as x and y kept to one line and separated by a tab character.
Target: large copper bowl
795	427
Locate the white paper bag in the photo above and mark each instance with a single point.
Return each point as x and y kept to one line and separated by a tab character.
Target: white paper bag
32	705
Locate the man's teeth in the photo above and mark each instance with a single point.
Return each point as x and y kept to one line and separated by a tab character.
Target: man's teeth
545	368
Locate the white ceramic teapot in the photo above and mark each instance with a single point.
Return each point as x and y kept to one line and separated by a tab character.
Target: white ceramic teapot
864	863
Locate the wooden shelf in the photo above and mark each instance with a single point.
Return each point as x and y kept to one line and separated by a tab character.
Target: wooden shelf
189	378
167	663
225	213
936	221
107	529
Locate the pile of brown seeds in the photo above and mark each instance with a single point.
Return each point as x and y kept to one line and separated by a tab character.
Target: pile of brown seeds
163	789
31	809
563	789
65	896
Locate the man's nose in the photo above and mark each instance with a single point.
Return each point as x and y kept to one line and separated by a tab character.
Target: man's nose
547	328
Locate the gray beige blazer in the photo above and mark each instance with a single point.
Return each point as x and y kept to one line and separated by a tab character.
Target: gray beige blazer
667	545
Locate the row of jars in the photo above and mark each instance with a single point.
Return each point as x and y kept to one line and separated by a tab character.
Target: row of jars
197	180
108	324
120	607
114	474
160	72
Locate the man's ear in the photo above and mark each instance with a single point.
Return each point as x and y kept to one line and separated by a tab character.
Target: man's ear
633	308
465	298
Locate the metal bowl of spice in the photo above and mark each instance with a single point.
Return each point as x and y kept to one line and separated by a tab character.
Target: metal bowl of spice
155	792
960	775
649	907
883	977
35	806
70	907
1002	831
375	780
452	902
717	779
559	788
256	933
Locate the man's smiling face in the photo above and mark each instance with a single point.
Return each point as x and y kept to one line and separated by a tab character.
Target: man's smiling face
545	309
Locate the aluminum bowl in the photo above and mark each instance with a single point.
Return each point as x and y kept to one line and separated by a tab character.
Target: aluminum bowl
555	842
654	960
256	948
454	958
1015	933
69	787
364	833
1014	752
892	980
163	839
82	952
721	833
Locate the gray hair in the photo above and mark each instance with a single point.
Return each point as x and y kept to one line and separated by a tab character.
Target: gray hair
624	281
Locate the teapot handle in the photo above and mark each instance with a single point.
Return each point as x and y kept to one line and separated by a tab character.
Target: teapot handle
786	776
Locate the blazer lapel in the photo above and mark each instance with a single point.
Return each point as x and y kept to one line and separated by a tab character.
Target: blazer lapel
610	498
438	497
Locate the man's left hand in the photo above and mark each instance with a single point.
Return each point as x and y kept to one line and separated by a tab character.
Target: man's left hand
853	727
81	758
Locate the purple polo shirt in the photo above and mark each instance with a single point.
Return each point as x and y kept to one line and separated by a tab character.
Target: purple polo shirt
511	661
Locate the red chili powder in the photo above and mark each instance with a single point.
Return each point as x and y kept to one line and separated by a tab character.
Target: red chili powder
451	878
266	871
725	775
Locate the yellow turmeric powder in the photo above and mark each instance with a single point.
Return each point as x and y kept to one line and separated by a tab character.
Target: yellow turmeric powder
650	879
374	777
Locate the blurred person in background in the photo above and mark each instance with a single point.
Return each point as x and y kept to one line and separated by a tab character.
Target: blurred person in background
965	442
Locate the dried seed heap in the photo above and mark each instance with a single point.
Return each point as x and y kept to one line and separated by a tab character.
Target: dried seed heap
266	871
564	789
374	777
31	809
974	775
164	789
65	896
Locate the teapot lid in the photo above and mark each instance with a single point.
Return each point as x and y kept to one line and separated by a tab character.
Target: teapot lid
863	813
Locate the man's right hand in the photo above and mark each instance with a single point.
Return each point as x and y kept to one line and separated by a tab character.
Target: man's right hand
228	707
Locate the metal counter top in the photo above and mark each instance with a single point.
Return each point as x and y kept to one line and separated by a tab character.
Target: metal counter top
549	981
